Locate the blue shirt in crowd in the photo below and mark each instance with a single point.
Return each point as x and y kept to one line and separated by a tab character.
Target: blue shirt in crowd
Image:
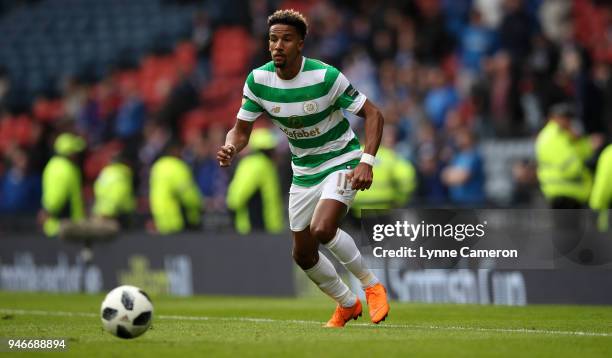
477	42
472	191
19	194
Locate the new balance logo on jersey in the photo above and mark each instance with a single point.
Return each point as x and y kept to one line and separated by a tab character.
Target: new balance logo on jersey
302	133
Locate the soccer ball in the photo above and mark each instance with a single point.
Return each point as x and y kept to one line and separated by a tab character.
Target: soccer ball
126	312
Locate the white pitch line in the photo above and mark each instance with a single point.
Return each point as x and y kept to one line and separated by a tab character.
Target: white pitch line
369	325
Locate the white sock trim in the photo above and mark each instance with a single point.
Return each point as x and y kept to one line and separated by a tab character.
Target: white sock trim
357	256
333	242
324	275
343	247
316	266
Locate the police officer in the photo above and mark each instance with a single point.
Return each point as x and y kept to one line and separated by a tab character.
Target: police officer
114	193
62	197
561	155
395	179
601	196
254	194
176	201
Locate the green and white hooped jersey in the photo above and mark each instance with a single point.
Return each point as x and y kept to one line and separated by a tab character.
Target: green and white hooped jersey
308	108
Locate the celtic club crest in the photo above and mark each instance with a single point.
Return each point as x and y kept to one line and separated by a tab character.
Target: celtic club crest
310	107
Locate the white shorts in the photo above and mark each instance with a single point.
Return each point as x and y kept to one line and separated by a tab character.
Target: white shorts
304	200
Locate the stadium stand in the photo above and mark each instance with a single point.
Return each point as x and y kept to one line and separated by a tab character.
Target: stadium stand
133	75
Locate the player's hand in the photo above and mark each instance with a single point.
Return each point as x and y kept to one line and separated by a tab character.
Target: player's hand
226	154
361	177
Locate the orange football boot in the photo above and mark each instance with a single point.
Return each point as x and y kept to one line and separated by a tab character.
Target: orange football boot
377	302
344	314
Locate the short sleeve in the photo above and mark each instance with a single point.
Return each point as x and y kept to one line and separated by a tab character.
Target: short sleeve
347	97
250	109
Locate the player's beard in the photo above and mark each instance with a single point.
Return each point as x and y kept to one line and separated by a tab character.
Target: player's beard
281	64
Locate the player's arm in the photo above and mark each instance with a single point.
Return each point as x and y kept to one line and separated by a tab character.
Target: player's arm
361	177
237	138
374	123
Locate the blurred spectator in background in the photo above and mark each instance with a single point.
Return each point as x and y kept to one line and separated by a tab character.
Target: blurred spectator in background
503	95
440	98
156	138
114	193
20	188
601	197
561	154
90	121
201	156
555	17
176	202
202	38
254	194
464	175
430	160
515	33
395	179
525	180
491	11
131	115
477	42
516	28
433	42
62	189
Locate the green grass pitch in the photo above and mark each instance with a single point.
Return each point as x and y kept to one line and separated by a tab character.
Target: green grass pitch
275	327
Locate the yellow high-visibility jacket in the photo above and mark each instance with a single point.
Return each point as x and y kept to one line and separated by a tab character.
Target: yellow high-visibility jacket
172	192
561	164
394	181
256	172
113	191
62	193
601	196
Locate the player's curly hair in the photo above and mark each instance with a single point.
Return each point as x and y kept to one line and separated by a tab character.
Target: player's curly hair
289	17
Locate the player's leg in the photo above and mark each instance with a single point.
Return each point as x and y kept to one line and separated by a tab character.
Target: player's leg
323	273
330	211
325	228
319	269
302	202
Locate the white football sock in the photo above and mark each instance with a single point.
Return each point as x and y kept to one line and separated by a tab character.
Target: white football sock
344	248
325	276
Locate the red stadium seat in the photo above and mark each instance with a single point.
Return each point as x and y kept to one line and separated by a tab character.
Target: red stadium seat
220	89
158	74
186	57
193	123
47	110
231	51
16	130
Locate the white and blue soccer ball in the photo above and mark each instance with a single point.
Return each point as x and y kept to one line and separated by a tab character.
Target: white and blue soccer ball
126	312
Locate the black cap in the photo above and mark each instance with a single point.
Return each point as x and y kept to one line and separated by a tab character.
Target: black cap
566	110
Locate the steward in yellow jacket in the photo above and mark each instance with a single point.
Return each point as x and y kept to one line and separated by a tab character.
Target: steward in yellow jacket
601	196
114	193
254	194
62	189
564	178
175	200
394	181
